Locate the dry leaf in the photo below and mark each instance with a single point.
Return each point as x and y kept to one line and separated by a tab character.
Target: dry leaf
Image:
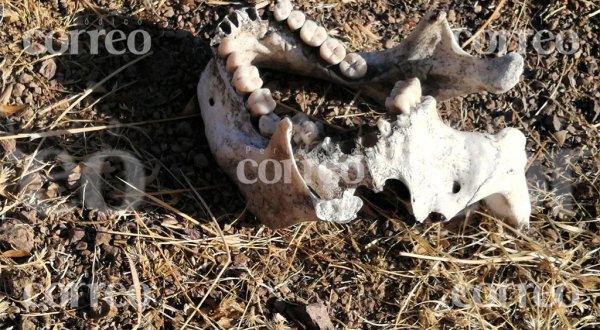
9	110
15	254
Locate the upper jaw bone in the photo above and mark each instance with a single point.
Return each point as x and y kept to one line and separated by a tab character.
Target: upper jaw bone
430	53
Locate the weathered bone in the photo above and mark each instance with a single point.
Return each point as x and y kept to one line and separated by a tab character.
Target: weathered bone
445	170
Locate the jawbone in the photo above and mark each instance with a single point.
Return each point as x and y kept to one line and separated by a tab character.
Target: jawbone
289	173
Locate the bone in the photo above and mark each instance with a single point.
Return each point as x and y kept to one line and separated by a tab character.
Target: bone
332	51
444	169
246	79
353	66
267	124
312	34
296	20
405	95
261	102
238	59
282	10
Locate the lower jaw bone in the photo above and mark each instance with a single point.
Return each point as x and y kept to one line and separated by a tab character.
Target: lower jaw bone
444	169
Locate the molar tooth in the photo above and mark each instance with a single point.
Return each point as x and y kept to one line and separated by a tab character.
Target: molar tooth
226	47
246	79
333	51
353	66
313	34
238	59
267	124
282	10
261	102
296	20
405	95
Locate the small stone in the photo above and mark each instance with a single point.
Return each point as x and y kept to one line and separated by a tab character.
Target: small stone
478	9
102	237
17	234
25	78
169	12
81	246
48	68
77	234
561	137
27	324
556	123
451	15
18	90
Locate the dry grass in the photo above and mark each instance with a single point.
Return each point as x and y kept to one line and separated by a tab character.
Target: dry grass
199	259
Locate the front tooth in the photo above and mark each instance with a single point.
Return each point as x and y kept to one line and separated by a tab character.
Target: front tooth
261	102
313	34
404	96
282	10
296	20
353	66
238	59
246	79
333	51
385	128
309	132
268	124
226	47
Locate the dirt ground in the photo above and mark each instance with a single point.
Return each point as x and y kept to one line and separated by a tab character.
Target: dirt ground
186	253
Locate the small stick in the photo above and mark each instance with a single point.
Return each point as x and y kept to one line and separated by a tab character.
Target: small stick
486	24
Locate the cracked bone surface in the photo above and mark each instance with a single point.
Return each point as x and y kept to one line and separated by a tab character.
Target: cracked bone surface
285	183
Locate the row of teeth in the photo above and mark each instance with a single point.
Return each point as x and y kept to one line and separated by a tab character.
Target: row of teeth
246	77
332	50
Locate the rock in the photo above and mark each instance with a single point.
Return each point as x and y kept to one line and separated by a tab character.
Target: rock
451	15
561	137
27	324
312	316
556	123
25	78
81	246
18	90
169	12
102	237
17	234
77	234
48	68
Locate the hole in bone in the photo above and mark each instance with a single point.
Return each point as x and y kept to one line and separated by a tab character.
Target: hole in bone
233	17
225	26
369	140
252	13
455	187
211	101
436	217
393	201
347	146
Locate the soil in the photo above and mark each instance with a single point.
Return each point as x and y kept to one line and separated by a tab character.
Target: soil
165	260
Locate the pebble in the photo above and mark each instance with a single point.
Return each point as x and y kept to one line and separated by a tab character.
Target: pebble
169	12
25	78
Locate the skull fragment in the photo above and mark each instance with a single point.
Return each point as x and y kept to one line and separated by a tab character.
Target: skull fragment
289	171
